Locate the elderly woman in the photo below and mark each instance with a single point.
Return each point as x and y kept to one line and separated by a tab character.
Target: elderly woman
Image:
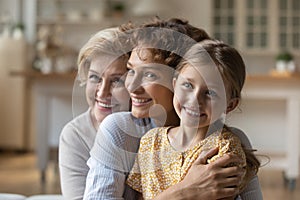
101	68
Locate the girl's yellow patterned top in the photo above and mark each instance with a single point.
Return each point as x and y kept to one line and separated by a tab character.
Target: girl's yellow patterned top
158	165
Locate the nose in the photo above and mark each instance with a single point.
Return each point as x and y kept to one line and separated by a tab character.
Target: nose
103	89
199	98
134	83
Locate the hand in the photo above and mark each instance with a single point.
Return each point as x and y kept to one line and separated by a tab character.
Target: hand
214	180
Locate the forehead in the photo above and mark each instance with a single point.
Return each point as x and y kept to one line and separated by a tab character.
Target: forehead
108	63
206	73
143	59
143	55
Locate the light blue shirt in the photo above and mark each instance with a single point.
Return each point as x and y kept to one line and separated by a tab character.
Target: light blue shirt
113	155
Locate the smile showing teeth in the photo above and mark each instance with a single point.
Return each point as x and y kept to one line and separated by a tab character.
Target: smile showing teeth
105	105
135	100
193	113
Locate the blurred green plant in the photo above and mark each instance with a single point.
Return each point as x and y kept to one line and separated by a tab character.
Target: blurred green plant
284	56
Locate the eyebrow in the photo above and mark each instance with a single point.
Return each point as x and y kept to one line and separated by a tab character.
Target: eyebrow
113	74
90	70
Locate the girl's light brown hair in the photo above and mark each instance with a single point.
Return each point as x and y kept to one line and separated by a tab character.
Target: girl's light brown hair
227	59
232	69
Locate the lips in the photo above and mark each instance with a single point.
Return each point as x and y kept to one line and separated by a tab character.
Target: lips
193	112
140	101
104	104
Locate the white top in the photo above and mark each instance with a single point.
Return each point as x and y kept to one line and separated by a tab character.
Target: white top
76	141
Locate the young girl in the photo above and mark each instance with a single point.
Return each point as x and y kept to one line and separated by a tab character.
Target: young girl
207	87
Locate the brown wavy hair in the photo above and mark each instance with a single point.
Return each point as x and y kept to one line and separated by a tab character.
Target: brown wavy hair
164	33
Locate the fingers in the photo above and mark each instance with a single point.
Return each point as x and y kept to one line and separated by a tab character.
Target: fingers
204	155
227	159
231	182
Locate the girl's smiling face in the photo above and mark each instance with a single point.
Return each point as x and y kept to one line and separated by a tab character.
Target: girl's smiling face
199	96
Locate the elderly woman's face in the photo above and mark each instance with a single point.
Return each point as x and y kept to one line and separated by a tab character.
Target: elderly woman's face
105	89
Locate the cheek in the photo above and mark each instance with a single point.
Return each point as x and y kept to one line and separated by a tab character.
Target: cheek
121	95
177	105
180	96
161	95
217	109
90	91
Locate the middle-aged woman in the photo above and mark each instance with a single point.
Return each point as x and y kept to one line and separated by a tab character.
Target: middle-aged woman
101	68
156	52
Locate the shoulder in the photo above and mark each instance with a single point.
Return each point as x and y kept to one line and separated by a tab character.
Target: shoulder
124	123
242	136
115	123
116	119
154	133
78	130
154	136
152	141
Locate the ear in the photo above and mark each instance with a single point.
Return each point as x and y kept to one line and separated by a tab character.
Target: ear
174	82
232	104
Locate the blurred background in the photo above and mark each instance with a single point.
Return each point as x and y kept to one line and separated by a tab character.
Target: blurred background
39	43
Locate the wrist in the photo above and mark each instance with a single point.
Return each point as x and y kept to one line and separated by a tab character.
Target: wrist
174	192
178	190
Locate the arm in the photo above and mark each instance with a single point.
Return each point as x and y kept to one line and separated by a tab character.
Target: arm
103	183
207	181
253	189
112	157
72	163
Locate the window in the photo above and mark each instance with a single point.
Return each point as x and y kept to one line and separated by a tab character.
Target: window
289	24
224	22
256	24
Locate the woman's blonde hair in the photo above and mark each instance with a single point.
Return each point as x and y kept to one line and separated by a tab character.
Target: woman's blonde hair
108	41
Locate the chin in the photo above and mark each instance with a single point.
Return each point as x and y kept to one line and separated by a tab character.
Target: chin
139	114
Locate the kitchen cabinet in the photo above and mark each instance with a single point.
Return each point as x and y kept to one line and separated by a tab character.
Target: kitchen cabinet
258	26
76	20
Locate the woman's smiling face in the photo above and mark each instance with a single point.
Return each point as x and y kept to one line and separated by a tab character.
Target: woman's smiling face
105	88
149	84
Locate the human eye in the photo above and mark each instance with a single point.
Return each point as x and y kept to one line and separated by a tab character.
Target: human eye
94	78
211	93
150	75
118	82
130	72
187	85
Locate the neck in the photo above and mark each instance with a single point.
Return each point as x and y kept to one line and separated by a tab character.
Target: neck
185	137
94	120
171	120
